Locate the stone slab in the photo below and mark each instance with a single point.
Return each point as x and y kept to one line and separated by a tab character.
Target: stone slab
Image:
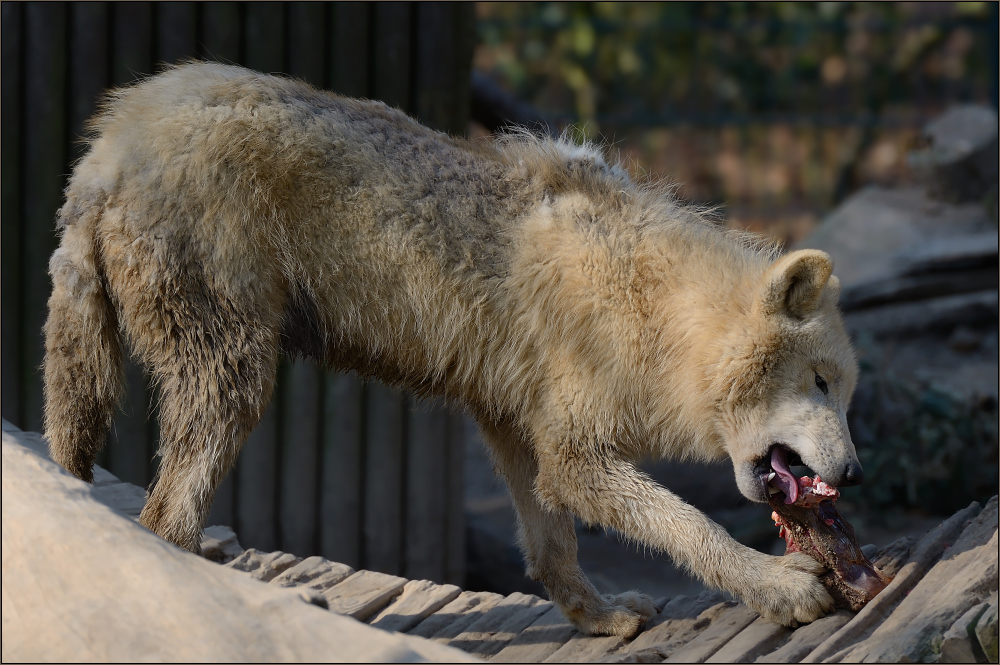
724	628
419	599
539	640
363	593
760	637
453	618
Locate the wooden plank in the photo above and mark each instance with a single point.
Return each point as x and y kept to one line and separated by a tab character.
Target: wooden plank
585	649
219	32
498	626
264	36
307	42
264	566
391	54
760	637
420	599
300	450
426	492
45	164
11	153
680	619
342	469
348	68
89	63
383	507
722	629
539	640
176	31
459	427
453	618
314	572
363	593
807	638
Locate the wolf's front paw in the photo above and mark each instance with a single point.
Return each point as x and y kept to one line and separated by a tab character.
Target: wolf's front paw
790	592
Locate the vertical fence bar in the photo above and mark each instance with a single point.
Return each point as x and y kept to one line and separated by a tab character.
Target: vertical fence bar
391	54
130	446
219	33
342	486
45	162
384	478
460	428
426	492
264	41
11	297
300	457
176	32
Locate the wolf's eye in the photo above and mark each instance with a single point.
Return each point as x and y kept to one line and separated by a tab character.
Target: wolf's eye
821	382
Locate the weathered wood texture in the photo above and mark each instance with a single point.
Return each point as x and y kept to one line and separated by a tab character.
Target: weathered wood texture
338	467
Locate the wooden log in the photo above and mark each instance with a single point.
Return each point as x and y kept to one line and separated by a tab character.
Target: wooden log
300	449
539	640
391	54
384	464
342	469
176	32
349	49
11	165
453	618
219	34
45	163
426	492
363	593
419	599
307	42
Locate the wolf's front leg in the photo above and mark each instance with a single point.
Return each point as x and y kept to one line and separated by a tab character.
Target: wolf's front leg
603	489
548	540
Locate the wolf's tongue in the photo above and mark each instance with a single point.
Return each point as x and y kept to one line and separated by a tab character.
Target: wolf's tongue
784	481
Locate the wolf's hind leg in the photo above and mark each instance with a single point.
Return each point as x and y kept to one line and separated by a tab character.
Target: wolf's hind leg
211	398
548	540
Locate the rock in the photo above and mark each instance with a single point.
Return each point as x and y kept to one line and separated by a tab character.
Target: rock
219	544
81	582
986	630
924	554
956	645
960	162
964	577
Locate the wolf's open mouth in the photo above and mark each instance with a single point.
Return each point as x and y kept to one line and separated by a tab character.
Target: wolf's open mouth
810	523
776	476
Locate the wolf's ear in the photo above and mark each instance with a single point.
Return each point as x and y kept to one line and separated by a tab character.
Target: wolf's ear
794	284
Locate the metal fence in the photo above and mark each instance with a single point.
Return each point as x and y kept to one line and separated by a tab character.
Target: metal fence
338	467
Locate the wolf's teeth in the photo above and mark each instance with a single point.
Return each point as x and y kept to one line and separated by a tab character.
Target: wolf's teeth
773	490
771	476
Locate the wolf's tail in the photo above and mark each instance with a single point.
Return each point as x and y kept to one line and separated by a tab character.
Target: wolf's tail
83	359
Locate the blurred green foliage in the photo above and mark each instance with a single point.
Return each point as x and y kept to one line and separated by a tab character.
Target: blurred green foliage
628	63
922	447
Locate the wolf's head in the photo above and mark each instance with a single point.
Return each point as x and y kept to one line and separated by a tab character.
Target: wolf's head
791	376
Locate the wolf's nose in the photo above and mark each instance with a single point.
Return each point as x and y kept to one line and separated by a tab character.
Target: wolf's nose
853	474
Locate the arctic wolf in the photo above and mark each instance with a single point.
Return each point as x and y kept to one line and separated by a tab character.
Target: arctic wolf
222	217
